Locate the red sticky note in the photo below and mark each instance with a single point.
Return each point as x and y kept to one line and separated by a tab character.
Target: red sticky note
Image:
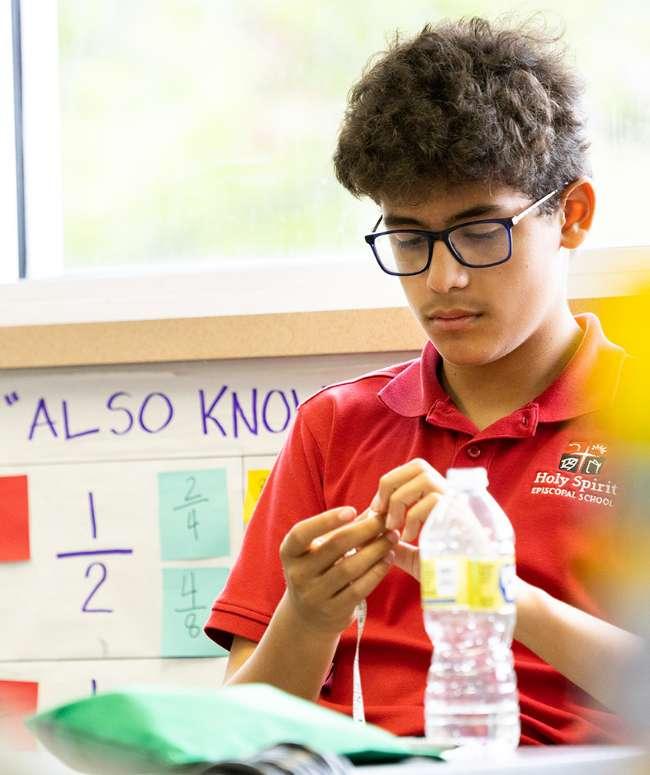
18	699
14	519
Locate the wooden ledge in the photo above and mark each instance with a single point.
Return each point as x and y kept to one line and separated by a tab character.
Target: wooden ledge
247	336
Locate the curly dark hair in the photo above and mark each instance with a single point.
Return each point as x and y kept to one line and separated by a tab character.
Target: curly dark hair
465	101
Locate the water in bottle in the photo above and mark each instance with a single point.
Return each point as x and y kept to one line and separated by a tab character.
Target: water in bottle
467	572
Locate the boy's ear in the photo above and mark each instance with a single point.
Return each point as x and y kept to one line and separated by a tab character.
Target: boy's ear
577	212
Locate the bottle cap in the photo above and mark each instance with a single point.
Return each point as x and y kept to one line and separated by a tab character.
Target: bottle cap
467	478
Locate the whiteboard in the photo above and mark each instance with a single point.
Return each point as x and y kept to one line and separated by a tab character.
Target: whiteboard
135	479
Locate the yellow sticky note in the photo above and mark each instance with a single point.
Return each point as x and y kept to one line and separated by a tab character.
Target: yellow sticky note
256	479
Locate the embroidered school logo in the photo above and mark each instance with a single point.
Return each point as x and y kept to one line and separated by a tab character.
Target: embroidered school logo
577	476
583	458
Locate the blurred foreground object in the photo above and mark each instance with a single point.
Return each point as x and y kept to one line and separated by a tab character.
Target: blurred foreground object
618	560
154	730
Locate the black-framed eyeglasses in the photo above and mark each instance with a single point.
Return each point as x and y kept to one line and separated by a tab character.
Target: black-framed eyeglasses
476	244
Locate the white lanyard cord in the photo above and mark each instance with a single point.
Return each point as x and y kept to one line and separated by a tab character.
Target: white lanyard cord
358	712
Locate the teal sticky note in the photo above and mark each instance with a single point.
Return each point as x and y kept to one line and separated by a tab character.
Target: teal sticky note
193	514
188	594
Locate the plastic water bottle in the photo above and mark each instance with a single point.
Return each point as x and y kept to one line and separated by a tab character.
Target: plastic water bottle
467	572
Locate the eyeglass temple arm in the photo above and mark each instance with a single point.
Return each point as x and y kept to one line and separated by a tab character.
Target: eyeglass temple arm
524	213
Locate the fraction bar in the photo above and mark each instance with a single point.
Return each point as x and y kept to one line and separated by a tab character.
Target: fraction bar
89	552
194	502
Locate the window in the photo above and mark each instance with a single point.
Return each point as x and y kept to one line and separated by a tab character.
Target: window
195	136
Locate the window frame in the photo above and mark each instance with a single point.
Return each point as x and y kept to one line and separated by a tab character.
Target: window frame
43	172
9	249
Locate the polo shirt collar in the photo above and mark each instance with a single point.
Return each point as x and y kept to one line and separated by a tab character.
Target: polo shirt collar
587	383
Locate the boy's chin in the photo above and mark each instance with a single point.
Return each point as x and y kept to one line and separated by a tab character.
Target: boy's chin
465	355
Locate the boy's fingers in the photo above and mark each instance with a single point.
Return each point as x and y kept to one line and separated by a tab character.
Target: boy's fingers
353	567
299	539
391	481
398	477
328	550
322	538
417	515
407	497
359	589
407	557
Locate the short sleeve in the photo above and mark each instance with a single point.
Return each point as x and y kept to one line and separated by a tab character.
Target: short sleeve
293	491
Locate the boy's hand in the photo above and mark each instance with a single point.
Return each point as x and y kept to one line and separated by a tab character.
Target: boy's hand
325	581
406	496
407	557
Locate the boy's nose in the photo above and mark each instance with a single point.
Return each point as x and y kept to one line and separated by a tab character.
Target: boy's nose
445	272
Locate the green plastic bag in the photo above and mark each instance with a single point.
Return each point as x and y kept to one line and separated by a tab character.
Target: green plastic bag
150	730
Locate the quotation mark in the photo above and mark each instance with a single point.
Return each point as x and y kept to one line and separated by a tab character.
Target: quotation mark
11	398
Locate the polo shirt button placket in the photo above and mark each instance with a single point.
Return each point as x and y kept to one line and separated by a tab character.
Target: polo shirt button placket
474	452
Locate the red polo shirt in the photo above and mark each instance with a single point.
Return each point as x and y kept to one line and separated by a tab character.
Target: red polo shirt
548	467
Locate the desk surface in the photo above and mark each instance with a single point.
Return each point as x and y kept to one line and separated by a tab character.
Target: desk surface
560	760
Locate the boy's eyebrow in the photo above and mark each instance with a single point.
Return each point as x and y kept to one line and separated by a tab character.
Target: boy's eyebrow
393	219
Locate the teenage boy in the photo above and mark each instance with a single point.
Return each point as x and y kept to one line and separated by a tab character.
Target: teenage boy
470	140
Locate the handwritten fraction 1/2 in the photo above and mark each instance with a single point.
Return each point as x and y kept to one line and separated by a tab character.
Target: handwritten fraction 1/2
99	576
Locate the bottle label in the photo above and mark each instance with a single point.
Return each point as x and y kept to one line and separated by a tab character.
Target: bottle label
475	584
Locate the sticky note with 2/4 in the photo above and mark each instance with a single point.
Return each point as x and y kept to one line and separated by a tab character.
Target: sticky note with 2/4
188	594
193	514
14	519
18	699
255	481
